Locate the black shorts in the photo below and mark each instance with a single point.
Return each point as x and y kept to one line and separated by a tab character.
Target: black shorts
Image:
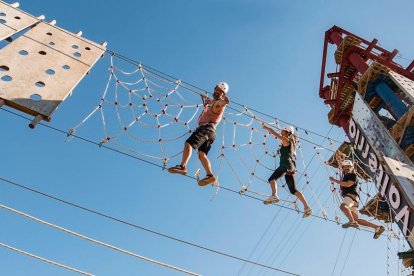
202	138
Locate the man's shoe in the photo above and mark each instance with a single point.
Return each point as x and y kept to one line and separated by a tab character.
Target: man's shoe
271	200
379	231
353	224
178	169
207	180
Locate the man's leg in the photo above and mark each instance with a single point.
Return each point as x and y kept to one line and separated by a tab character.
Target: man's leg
345	209
364	222
187	151
205	162
210	178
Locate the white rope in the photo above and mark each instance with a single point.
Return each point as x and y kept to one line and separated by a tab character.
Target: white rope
45	260
96	241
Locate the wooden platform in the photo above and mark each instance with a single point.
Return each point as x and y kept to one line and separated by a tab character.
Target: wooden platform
371	209
345	149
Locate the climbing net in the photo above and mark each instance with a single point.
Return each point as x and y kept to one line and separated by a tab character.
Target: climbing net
150	114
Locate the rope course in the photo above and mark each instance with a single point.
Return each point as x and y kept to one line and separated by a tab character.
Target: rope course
145	97
154	164
146	114
45	260
161	167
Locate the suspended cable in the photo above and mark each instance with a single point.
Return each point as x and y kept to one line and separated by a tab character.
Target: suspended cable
97	241
45	260
135	225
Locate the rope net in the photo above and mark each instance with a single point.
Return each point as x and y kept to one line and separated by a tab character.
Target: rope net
150	114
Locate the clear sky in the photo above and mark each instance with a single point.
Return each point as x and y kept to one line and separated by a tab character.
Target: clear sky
270	53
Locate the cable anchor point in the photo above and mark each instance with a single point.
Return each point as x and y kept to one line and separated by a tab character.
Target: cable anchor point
70	134
197	174
165	161
296	206
338	220
103	141
243	189
325	215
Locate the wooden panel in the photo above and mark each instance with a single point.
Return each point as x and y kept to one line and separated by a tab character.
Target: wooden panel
13	20
39	70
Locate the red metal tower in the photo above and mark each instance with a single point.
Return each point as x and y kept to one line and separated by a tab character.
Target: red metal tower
372	98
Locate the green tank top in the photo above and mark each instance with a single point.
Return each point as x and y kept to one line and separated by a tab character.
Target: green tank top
287	158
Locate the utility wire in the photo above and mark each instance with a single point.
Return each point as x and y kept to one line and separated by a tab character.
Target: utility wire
45	260
96	241
135	225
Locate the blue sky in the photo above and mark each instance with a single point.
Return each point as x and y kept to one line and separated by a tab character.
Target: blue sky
270	54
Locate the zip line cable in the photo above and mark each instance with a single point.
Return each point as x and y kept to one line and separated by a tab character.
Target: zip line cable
137	226
45	260
96	241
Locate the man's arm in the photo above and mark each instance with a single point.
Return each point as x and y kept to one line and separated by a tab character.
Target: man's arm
204	99
226	99
347	183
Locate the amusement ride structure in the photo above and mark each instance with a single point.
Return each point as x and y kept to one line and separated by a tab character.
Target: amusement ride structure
371	97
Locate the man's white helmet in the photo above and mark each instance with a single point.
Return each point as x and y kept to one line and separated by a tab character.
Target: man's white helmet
347	163
289	129
223	86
